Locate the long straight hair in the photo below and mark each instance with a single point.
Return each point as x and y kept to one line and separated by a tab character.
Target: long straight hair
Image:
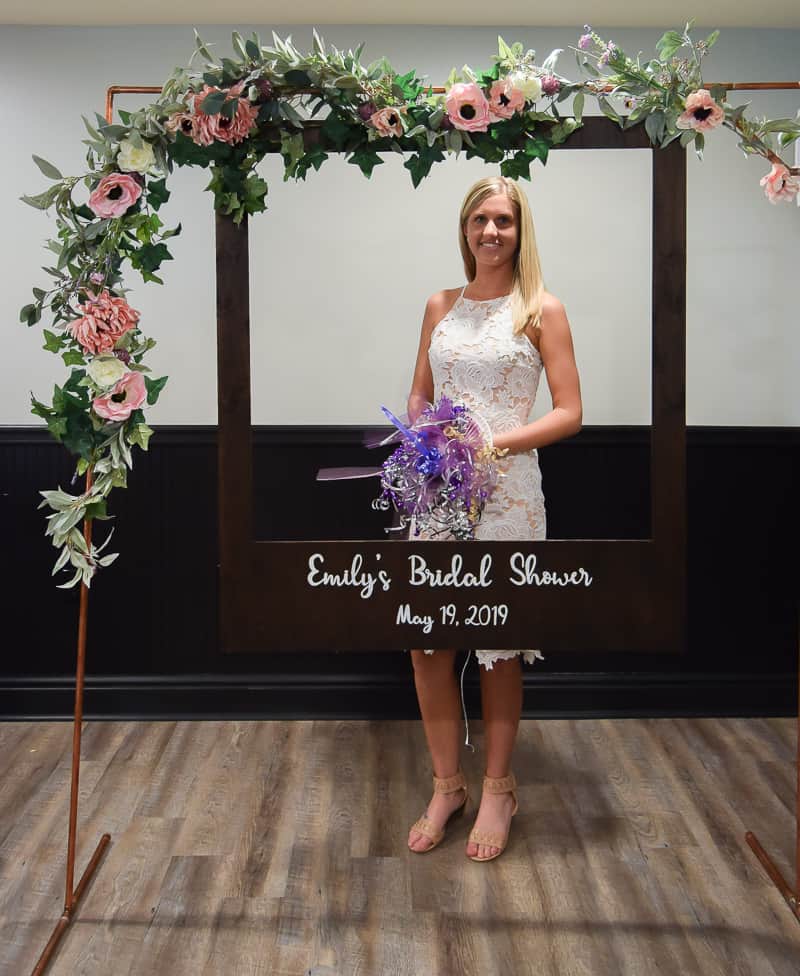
527	288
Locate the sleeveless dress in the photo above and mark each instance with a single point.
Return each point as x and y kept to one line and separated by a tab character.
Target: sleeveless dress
475	358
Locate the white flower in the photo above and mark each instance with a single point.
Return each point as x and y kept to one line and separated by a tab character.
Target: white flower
131	159
106	370
529	85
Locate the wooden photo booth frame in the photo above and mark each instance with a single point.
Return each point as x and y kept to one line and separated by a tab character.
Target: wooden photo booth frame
629	594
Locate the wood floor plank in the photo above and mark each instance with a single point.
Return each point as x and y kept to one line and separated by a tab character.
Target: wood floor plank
255	848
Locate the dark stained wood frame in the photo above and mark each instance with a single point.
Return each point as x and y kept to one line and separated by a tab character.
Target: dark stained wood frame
637	599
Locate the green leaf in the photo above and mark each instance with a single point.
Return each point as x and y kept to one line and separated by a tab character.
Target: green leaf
154	388
140	435
346	82
577	106
41	201
229	107
212	103
52	342
668	44
297	78
654	126
291	151
419	164
503	49
157	192
72	357
337	130
609	110
79	435
314	157
366	159
96	510
149	257
517	167
253	50
238	45
711	40
91	130
184	152
406	86
699	144
536	147
47	168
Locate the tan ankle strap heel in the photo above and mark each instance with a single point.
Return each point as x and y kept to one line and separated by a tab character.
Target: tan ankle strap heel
450	784
501	784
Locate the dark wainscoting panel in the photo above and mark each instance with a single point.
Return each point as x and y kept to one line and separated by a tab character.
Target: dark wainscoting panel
152	646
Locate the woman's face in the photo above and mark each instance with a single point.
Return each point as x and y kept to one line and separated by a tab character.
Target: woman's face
492	232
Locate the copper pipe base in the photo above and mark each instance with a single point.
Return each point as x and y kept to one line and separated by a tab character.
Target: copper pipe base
69	911
775	875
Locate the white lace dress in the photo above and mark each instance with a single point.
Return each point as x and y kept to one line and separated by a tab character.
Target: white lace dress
476	358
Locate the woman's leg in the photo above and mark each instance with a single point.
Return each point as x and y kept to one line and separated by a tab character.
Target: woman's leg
501	701
440	707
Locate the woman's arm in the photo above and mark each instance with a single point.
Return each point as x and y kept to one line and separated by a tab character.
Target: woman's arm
422	385
558	356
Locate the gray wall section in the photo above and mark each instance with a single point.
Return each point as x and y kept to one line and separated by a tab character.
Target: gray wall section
341	266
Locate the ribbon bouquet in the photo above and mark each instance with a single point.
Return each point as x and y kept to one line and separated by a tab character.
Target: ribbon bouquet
442	473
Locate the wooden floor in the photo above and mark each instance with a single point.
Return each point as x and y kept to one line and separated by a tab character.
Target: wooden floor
280	848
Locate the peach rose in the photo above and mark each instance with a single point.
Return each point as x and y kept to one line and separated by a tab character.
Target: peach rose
504	100
387	121
467	108
126	396
105	318
114	194
181	122
702	112
219	128
779	184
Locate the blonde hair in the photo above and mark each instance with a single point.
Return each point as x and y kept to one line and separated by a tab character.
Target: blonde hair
527	289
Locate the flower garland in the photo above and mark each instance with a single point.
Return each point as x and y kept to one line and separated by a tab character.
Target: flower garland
226	115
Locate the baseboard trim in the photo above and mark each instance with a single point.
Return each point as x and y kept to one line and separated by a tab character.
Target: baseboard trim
370	696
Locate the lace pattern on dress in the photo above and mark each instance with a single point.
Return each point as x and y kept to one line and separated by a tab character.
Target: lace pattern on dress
476	358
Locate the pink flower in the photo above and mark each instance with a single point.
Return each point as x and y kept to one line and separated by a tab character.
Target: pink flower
702	112
607	54
551	85
114	194
779	184
128	395
585	42
219	128
105	319
467	107
181	122
387	121
504	100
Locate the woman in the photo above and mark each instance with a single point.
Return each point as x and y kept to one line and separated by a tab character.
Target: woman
485	345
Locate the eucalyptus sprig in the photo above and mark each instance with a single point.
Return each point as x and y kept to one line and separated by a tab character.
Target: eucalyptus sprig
655	91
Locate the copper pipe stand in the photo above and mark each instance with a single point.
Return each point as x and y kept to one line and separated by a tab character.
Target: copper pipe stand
73	895
774	874
69	910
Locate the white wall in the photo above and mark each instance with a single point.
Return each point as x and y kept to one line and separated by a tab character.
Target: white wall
341	266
